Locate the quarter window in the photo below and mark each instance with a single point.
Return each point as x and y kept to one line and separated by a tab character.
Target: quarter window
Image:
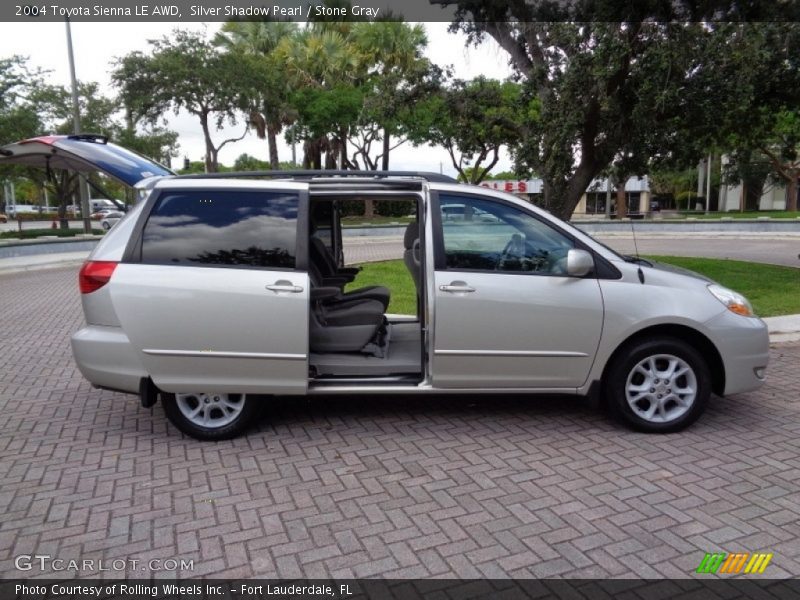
482	235
222	228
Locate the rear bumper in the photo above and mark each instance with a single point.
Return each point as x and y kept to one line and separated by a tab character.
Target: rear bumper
106	358
743	344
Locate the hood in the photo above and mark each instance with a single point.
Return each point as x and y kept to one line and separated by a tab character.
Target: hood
84	153
679	270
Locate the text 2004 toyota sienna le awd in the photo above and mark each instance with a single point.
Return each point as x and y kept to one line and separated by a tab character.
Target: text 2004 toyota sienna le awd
214	292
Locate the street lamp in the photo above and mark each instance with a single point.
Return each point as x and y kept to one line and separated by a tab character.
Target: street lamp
83	189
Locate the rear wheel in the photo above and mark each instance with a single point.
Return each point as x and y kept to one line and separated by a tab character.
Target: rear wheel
105	225
659	386
210	416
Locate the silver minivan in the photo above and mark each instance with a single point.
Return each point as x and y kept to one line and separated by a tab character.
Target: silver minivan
215	292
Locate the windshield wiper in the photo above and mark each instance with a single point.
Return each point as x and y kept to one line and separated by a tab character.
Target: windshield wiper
636	260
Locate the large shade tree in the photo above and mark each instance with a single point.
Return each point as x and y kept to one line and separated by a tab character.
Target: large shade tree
100	114
472	120
185	71
617	87
19	117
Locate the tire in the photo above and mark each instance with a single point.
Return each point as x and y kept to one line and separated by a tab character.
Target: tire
226	415
641	391
105	225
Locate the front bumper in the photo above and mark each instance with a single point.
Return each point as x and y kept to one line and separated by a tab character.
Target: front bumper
743	344
106	358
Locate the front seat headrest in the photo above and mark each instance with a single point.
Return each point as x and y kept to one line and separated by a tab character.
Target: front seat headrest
412	235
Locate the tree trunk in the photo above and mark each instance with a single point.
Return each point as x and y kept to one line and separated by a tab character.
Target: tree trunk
752	194
316	155
557	200
312	155
210	161
562	196
622	201
272	142
330	159
343	148
791	191
63	222
386	145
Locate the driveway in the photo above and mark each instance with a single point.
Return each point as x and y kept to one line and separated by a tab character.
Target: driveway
380	486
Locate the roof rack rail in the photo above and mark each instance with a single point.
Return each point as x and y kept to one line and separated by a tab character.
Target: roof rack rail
314	174
89	137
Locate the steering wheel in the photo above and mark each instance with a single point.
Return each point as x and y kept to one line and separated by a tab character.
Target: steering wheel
519	253
557	262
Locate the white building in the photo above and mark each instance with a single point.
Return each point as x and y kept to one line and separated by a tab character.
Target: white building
731	197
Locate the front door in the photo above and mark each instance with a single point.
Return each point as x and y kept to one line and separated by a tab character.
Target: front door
215	297
506	313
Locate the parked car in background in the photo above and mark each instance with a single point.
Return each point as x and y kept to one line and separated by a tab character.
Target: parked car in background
12	210
101	214
111	219
214	293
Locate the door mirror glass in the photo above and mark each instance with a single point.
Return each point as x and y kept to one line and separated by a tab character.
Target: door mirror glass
579	262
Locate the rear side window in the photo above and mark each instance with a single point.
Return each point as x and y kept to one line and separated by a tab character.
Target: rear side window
222	228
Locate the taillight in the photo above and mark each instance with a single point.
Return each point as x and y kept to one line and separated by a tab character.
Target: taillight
95	274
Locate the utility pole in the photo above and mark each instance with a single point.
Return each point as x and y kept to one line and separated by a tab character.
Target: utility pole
83	188
708	183
608	198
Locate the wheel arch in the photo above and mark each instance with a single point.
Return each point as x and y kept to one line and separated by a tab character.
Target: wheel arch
686	334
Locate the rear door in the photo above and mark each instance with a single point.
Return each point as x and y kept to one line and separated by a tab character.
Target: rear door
214	292
85	154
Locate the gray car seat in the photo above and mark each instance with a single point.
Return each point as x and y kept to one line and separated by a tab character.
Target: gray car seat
329	275
411	255
346	327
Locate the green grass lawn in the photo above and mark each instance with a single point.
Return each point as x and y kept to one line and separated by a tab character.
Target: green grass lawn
27	234
773	290
378	220
394	275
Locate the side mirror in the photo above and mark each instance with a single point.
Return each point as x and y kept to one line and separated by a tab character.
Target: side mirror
579	263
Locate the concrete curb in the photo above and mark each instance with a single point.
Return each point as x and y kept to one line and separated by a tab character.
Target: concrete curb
785	328
21	264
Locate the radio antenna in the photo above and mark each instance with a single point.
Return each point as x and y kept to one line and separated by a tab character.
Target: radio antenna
639	271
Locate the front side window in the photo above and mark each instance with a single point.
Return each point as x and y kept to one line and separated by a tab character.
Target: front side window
222	228
483	235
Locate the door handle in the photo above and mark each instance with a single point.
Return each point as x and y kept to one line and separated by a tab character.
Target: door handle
285	286
457	287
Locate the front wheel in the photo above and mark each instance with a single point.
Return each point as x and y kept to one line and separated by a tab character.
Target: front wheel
210	416
659	386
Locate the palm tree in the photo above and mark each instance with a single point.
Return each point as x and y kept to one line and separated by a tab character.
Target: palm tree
271	111
321	60
395	50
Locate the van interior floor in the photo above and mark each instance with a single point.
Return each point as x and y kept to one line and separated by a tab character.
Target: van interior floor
403	357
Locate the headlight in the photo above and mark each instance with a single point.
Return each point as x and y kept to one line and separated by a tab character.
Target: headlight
734	301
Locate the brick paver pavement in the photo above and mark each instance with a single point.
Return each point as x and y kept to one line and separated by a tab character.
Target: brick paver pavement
367	249
380	486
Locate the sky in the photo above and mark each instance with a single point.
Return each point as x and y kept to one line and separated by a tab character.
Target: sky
97	44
